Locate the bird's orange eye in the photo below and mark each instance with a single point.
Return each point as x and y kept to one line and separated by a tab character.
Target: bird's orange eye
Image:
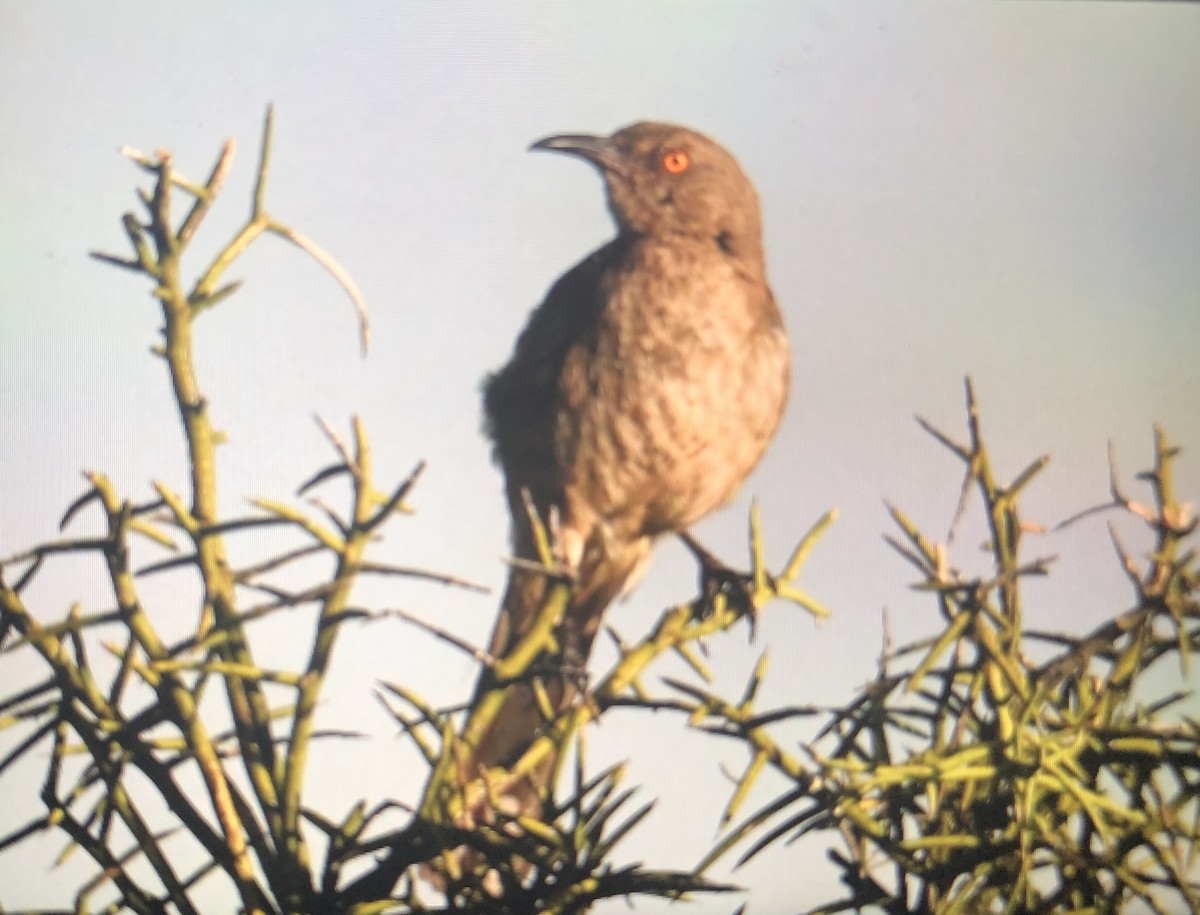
675	161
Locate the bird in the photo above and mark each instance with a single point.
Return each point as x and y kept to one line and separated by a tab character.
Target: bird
641	393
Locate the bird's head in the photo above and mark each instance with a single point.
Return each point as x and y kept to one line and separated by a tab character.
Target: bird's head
664	180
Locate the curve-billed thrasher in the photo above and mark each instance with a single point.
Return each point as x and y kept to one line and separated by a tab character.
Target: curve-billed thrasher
642	392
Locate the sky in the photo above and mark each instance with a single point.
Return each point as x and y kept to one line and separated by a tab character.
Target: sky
1006	191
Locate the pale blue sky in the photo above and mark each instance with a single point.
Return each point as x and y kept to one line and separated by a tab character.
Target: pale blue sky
1009	190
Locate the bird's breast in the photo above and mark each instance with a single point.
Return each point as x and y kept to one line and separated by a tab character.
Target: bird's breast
684	386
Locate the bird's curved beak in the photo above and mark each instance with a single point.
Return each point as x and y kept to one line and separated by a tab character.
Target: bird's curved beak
600	151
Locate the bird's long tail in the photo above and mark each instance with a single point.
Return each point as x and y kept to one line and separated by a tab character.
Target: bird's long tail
505	736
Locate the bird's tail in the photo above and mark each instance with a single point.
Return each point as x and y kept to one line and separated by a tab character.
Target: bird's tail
602	576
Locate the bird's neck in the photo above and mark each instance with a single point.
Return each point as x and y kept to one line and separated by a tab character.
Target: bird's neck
743	252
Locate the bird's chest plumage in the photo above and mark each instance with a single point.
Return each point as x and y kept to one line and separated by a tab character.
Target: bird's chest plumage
680	389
